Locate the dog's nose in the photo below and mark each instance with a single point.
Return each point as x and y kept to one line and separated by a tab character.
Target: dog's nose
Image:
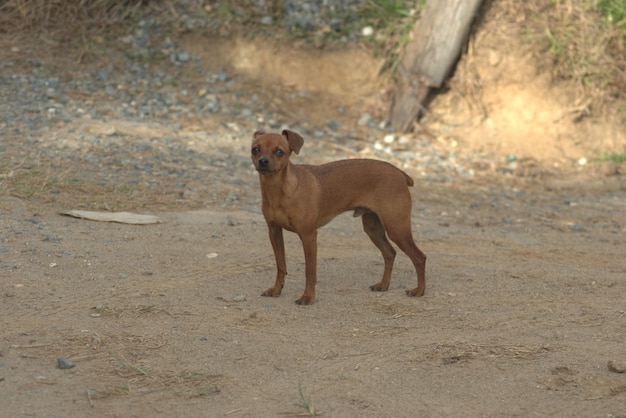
264	162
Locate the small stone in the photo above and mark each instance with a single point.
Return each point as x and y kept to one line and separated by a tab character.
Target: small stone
64	363
222	76
266	20
240	298
183	56
367	31
616	366
333	124
365	120
577	228
494	58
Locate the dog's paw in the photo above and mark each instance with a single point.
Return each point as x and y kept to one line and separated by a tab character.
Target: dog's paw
305	300
272	292
415	292
379	287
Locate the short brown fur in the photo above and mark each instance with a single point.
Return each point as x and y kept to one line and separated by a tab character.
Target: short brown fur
303	198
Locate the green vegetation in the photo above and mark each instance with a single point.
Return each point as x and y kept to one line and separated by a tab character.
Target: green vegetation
586	40
304	402
616	157
614	11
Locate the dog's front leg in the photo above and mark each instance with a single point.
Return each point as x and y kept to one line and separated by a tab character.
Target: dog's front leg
309	243
278	245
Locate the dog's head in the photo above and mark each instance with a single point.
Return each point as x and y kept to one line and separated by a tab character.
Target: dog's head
270	152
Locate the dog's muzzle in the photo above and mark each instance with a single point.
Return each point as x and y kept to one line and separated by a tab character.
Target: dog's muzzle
263	165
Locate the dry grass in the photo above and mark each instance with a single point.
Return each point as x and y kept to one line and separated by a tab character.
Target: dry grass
78	187
55	15
455	352
579	40
130	365
34	178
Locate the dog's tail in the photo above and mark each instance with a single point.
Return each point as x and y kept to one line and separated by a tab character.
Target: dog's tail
409	180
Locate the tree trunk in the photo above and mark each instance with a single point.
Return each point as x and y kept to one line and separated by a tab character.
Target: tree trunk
438	38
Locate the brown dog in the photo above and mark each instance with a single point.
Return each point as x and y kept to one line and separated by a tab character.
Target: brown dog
302	198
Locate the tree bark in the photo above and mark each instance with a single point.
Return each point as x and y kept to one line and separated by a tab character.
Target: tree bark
438	38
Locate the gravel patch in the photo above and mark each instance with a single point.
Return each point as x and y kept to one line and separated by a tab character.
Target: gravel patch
127	125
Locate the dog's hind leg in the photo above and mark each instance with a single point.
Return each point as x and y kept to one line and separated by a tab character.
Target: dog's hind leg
376	231
404	239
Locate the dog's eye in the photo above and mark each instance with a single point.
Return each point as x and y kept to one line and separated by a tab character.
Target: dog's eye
279	152
256	150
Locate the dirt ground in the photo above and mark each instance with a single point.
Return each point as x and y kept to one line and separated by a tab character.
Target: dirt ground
525	307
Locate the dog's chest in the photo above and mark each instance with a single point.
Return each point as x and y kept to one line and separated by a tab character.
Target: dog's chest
276	213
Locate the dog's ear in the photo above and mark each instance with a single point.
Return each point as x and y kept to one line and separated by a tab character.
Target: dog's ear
258	132
295	140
